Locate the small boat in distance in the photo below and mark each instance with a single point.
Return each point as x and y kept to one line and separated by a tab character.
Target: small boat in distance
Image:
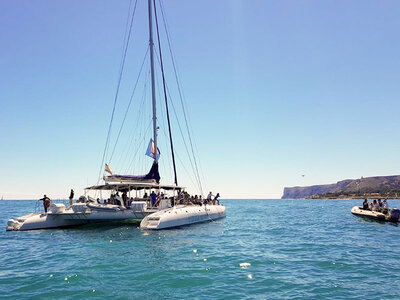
390	215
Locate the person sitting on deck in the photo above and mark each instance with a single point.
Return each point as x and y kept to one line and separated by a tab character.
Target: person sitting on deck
153	197
375	206
380	204
385	205
365	204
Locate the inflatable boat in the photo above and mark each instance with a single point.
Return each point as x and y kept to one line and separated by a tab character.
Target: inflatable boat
391	215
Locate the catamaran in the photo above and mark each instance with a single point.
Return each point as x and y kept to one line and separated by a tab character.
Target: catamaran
129	197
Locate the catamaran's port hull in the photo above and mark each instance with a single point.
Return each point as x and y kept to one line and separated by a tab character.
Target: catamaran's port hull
64	220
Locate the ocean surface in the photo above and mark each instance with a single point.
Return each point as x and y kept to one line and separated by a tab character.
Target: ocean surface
263	249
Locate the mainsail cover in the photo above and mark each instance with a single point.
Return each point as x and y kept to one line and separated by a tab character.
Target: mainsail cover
152	175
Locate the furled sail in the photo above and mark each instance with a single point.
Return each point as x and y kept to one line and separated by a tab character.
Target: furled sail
153	175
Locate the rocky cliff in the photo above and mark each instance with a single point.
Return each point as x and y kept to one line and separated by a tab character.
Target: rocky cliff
383	186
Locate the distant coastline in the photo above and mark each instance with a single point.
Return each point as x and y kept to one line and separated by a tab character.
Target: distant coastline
356	196
370	187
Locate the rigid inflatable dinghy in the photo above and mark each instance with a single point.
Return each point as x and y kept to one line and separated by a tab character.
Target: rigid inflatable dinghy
391	216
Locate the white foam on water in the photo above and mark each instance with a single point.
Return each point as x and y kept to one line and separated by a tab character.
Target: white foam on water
250	276
110	241
194	250
245	265
205	259
145	233
51	275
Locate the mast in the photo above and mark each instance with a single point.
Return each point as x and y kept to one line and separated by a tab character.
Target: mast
165	94
153	91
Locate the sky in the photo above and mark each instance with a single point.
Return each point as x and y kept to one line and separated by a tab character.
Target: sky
274	90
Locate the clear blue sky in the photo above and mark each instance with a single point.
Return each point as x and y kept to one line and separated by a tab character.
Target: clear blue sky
275	89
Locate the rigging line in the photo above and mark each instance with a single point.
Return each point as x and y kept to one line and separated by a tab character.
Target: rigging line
143	132
126	32
140	123
183	138
187	172
180	93
165	94
116	94
129	105
139	120
182	135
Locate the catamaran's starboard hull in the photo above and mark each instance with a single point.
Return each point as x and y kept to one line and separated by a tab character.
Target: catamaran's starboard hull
182	216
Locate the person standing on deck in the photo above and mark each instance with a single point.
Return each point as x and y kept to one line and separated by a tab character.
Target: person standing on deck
71	197
216	198
153	197
209	196
46	202
125	198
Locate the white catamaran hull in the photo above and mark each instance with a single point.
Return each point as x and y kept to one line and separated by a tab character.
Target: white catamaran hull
79	214
182	215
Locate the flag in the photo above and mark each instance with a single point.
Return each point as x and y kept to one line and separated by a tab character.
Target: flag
150	150
107	169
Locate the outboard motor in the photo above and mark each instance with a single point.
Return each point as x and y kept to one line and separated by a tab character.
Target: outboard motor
82	199
394	215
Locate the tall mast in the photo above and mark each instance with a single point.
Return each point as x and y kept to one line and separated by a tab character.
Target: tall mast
153	91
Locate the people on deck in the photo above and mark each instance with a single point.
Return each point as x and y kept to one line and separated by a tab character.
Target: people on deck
216	198
153	197
209	196
71	197
46	202
124	198
370	205
380	204
385	205
365	204
375	206
159	197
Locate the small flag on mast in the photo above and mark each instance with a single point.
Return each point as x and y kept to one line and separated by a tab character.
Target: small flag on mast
150	150
107	169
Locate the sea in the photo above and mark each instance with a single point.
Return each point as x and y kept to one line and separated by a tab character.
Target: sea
263	249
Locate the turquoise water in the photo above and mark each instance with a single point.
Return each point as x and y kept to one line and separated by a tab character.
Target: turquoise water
308	249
